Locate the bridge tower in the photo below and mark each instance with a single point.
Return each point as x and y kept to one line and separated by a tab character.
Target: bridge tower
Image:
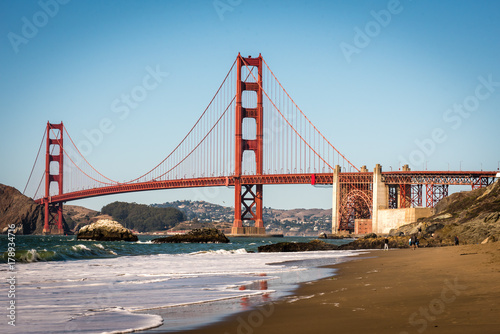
248	197
54	153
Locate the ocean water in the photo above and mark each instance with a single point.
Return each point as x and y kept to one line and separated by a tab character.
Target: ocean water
64	285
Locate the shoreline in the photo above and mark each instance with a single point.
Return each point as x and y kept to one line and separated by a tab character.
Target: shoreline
444	289
273	288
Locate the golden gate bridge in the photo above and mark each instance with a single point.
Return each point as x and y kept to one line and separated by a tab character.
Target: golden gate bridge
251	134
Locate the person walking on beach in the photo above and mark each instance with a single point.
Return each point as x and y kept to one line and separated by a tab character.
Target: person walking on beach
456	241
413	242
386	244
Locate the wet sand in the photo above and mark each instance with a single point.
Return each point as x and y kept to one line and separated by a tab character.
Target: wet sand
430	290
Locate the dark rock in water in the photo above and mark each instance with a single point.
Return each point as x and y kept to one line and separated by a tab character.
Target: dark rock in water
196	235
106	230
313	245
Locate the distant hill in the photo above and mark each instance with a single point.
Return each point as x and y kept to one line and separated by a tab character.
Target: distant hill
290	222
78	216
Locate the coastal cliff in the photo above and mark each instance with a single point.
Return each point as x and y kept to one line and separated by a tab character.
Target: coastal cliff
20	210
472	216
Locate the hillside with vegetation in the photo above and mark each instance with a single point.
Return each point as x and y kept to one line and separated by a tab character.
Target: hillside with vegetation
143	218
290	222
78	216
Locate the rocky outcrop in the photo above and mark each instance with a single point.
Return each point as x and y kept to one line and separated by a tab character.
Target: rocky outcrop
205	235
20	210
314	245
472	216
369	242
106	230
394	242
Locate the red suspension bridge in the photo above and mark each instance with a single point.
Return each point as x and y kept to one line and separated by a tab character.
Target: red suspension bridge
251	134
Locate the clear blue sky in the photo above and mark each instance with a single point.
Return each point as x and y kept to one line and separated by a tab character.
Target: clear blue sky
376	77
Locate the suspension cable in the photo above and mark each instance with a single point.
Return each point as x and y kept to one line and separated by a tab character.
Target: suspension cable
201	141
286	120
67	155
192	129
36	159
307	117
88	163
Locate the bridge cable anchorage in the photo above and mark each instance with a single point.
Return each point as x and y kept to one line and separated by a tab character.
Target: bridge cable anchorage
64	127
319	132
36	159
291	126
187	135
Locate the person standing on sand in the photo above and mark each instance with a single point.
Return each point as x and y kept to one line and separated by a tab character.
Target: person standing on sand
386	244
456	241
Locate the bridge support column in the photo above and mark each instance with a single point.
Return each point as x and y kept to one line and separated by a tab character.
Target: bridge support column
335	200
435	193
380	197
405	191
53	212
248	197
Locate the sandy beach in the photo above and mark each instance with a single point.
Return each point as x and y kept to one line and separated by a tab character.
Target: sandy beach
436	290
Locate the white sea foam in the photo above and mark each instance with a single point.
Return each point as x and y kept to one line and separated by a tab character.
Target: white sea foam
31	256
103	295
80	247
124	321
221	251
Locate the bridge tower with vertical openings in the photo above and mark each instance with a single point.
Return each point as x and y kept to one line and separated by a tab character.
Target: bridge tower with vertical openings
53	214
248	197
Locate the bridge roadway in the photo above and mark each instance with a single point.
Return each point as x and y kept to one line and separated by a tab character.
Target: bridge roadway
472	178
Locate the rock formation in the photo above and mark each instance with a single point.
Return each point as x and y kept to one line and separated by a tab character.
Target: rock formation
313	245
20	210
197	235
473	216
106	230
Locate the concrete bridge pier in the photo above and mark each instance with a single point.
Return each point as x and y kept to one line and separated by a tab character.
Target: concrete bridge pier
335	200
380	197
383	218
